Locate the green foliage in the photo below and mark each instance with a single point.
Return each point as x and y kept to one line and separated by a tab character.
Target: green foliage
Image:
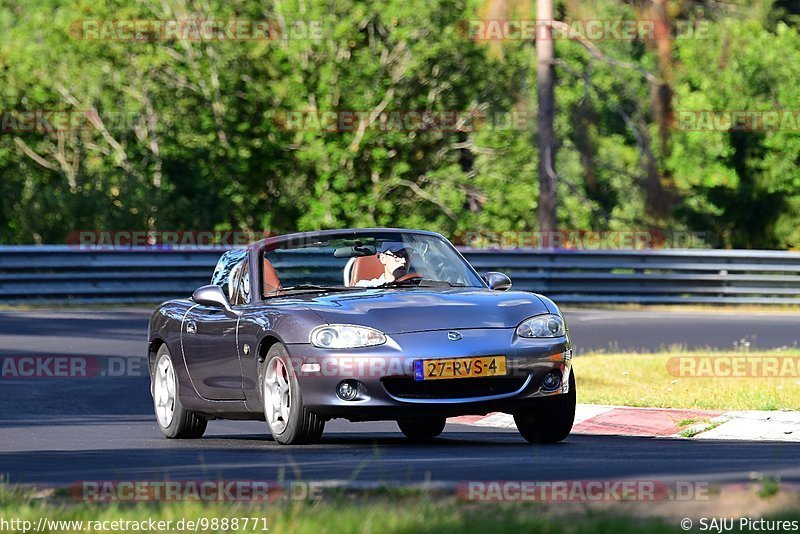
195	132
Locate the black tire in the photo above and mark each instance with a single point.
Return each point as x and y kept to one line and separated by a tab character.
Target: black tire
551	421
184	424
303	427
421	428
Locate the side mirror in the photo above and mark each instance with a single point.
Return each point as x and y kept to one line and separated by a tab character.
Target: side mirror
498	281
212	296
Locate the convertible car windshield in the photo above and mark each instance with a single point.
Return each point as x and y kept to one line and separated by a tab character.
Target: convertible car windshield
365	260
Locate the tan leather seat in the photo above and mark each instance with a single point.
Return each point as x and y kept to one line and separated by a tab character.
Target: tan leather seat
270	278
365	268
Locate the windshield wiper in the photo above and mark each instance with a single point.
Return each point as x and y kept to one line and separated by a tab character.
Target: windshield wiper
395	283
422	282
310	287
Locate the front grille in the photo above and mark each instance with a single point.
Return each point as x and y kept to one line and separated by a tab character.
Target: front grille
408	388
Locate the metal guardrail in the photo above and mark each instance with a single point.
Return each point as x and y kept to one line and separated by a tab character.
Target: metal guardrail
60	273
651	277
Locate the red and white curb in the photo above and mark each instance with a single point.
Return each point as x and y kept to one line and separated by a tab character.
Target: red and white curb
667	422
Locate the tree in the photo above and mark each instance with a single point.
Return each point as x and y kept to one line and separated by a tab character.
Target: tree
545	136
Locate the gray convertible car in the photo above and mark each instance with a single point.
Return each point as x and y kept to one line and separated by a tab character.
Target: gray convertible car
367	324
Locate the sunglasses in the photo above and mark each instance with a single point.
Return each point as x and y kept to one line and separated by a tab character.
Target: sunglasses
391	254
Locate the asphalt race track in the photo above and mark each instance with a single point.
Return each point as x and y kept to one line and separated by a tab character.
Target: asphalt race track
60	431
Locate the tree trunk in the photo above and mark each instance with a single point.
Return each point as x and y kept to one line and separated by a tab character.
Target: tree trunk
659	200
545	136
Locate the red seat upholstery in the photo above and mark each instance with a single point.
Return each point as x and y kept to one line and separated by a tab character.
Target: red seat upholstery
365	268
270	278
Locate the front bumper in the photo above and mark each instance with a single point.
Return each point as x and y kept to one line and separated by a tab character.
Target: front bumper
388	390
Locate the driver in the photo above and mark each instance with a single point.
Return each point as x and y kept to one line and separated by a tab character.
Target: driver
395	265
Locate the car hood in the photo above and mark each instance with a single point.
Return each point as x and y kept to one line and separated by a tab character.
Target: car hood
395	311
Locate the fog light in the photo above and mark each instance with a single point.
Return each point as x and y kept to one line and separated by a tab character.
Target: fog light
551	380
347	390
310	368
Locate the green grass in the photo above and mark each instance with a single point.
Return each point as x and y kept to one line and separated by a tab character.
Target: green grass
645	380
339	516
770	486
384	512
692	432
401	515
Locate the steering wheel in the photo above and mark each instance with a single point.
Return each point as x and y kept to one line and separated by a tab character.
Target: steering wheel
409	276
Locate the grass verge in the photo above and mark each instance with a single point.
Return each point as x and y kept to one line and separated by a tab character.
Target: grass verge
658	380
365	513
379	511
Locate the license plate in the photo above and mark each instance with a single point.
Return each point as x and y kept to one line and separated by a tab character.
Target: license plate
459	368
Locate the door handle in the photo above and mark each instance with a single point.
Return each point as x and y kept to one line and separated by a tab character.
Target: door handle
191	327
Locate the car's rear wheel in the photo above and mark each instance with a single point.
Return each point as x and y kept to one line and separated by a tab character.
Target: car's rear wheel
287	417
421	428
173	419
551	421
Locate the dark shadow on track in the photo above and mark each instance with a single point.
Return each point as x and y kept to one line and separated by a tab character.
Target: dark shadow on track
386	457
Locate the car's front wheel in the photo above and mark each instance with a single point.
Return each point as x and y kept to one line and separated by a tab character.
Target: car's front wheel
552	420
422	428
174	420
287	417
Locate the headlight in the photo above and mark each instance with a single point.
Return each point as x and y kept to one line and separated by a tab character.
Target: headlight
547	325
343	336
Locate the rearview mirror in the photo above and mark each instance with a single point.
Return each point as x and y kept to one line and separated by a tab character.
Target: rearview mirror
498	281
356	251
213	296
